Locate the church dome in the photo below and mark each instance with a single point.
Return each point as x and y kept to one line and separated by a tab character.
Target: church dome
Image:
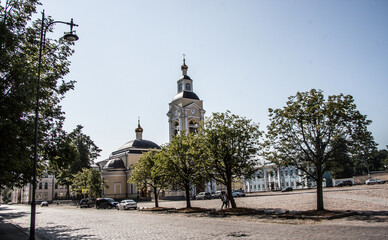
144	144
185	77
186	94
114	164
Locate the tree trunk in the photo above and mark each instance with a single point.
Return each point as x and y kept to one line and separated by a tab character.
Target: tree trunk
229	192
67	191
187	190
156	197
319	189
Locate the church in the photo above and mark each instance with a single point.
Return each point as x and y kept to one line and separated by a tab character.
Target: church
185	113
186	109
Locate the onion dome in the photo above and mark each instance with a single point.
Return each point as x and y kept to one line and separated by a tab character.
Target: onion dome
138	129
116	163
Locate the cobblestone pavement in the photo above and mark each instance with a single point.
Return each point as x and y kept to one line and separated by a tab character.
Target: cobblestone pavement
69	222
355	198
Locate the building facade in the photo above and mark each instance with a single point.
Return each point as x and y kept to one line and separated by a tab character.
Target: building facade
186	111
116	170
271	177
47	189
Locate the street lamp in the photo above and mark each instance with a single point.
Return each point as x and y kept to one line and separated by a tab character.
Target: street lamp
70	36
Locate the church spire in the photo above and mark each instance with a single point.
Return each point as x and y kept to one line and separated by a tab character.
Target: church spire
139	130
184	67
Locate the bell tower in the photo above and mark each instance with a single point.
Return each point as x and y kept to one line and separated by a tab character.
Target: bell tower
186	111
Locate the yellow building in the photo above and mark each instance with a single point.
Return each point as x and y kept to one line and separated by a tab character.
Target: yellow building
117	169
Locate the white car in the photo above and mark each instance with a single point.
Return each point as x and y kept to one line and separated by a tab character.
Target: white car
238	193
374	181
126	204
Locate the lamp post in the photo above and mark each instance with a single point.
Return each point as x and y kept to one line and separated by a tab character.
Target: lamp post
70	37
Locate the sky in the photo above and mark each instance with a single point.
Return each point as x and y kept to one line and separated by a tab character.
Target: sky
244	56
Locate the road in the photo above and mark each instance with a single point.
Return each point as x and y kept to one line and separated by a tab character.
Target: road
69	222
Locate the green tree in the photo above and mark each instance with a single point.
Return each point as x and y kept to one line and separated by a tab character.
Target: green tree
86	148
150	171
19	52
303	133
340	164
6	194
363	149
378	161
185	163
62	155
71	153
89	179
232	144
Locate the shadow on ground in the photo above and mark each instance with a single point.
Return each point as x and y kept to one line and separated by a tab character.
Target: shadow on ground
275	213
12	215
370	216
62	232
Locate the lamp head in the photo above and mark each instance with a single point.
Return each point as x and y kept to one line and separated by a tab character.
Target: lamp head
71	37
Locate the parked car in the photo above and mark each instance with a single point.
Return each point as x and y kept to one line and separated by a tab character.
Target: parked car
218	194
238	193
86	203
44	204
126	204
374	181
203	196
287	189
345	183
106	203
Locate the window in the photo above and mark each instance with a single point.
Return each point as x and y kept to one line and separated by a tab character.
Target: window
193	127
117	188
45	185
176	129
188	87
180	87
56	185
40	185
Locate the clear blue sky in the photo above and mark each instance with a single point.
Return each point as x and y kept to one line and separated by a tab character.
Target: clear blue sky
244	56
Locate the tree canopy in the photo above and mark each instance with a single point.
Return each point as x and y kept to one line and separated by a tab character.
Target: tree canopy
185	162
89	179
70	153
19	52
310	131
151	171
231	144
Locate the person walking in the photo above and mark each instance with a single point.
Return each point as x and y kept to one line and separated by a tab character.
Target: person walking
224	200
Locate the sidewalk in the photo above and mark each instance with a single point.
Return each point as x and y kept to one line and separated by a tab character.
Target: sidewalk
10	231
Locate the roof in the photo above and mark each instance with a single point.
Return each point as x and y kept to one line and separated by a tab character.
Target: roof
145	144
114	163
186	94
185	77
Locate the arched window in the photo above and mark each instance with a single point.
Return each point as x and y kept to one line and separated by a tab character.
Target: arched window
40	185
188	87
180	87
176	129
45	185
193	127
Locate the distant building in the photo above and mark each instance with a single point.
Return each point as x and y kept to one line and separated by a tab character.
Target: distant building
47	189
271	177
